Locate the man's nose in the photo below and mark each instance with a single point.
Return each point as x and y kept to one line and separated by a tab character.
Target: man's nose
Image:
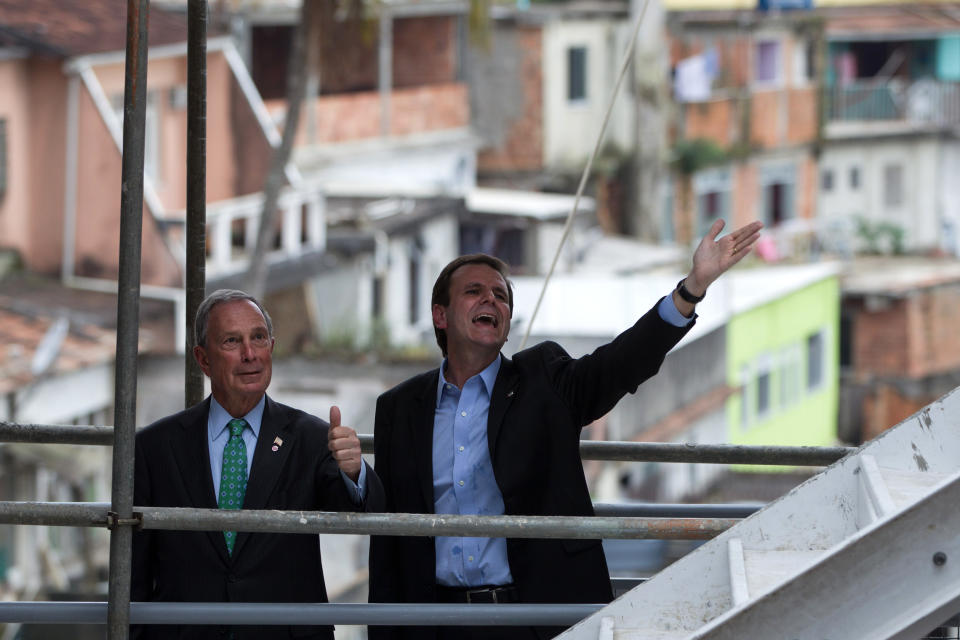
246	350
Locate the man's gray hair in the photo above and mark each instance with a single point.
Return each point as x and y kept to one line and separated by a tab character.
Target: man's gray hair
217	297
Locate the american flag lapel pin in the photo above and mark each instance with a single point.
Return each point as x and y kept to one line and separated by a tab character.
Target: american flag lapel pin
276	443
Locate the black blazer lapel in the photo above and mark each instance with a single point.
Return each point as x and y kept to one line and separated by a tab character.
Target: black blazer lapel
191	454
505	390
421	428
267	463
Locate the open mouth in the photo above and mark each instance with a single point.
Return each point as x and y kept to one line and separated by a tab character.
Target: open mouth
487	319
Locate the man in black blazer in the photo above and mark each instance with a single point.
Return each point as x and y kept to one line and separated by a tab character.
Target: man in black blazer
294	461
488	435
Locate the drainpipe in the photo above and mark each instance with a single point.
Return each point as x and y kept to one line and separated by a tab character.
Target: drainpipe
70	188
385	80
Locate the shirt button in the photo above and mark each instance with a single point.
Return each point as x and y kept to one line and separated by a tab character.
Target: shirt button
461	449
463	413
461	483
469	558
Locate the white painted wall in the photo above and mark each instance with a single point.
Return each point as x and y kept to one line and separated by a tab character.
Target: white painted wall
927	186
343	297
948	196
78	394
439	245
571	129
446	166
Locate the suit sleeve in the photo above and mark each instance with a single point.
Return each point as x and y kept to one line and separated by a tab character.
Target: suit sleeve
592	385
332	490
141	585
384	572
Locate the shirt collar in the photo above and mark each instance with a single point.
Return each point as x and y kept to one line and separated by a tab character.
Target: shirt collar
219	417
488	376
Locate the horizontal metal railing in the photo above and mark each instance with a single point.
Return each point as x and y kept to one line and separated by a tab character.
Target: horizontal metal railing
301	613
589	449
613	521
97	514
919	102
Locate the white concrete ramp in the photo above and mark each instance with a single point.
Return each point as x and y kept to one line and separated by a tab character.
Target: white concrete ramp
869	548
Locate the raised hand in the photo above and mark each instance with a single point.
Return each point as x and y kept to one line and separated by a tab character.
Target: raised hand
344	446
713	257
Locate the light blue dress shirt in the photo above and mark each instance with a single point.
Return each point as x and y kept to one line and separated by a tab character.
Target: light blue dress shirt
218	434
463	480
671	315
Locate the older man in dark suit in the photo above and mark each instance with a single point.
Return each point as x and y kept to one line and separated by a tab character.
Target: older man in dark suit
488	435
240	449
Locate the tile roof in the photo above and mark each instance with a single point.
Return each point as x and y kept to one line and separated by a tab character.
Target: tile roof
20	335
889	20
65	28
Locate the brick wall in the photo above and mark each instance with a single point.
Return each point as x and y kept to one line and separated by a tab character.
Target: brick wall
880	339
935	340
429	108
912	338
356	116
765	119
424	51
715	120
802	115
348	53
885	406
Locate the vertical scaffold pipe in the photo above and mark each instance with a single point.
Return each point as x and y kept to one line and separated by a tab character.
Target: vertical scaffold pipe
196	232
128	312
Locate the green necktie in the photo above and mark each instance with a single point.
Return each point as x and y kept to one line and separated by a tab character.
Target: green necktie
233	474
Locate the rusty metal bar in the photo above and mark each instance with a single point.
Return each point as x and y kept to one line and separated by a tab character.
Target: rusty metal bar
589	450
128	314
394	524
196	227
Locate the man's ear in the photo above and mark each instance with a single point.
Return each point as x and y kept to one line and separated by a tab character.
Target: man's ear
439	316
201	356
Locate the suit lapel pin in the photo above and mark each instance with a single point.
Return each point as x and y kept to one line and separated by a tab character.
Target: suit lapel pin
510	393
276	443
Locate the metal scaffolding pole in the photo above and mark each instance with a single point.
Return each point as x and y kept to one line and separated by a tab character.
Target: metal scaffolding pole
86	514
195	267
302	613
128	318
589	449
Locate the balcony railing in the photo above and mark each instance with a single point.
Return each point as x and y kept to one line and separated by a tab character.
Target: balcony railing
920	102
232	229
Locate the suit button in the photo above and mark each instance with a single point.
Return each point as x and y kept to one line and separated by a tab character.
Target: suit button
232	577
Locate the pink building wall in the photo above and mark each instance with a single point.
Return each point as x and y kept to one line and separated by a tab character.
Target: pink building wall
15	110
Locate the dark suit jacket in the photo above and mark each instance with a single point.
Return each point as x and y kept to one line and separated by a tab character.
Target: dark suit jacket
541	400
172	469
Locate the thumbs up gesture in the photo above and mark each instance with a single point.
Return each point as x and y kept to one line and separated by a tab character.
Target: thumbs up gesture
344	445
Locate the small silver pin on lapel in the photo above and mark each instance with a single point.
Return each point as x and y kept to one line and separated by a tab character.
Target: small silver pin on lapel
510	393
276	443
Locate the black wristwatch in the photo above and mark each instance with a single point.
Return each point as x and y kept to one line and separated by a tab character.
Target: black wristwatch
686	295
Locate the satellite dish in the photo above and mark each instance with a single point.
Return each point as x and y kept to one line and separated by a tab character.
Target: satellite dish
49	347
